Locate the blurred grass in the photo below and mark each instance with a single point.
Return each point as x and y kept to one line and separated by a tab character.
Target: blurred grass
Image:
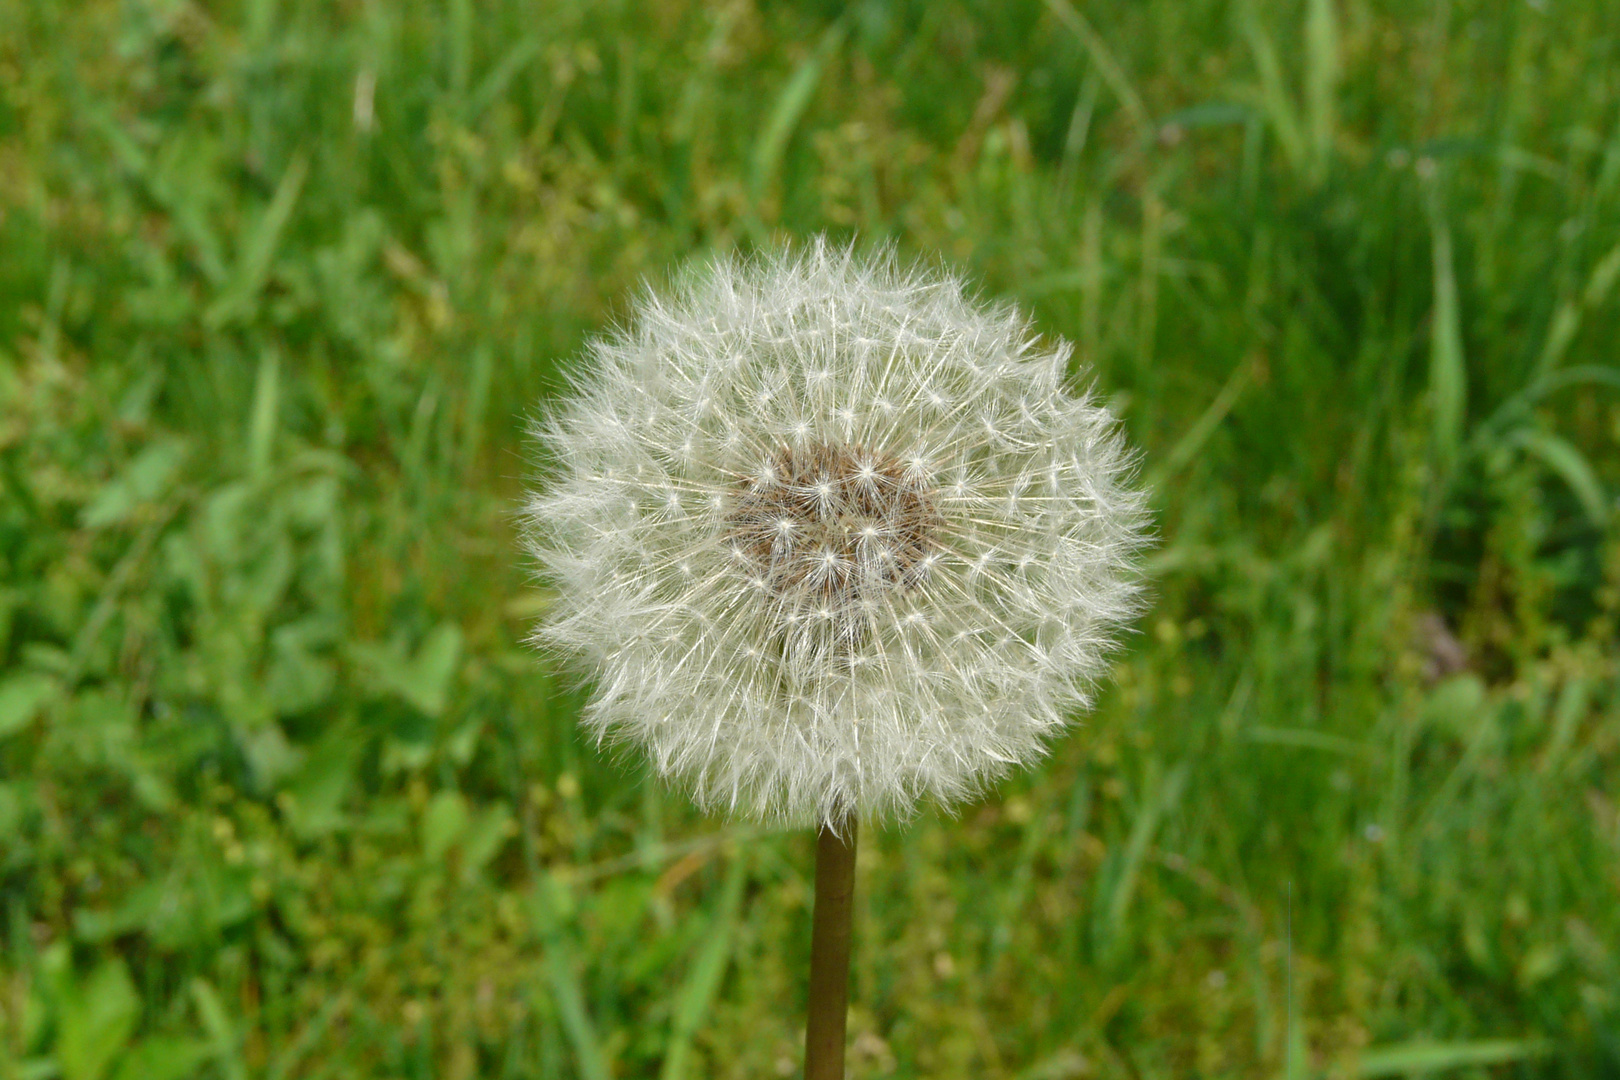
282	794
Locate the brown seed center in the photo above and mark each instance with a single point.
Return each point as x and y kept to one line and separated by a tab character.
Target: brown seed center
827	528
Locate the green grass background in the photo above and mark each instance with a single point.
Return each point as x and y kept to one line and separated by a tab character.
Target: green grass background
282	794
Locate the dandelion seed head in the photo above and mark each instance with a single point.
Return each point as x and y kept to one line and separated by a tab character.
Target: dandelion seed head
831	538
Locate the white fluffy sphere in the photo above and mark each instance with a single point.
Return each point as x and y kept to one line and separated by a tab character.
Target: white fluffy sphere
831	537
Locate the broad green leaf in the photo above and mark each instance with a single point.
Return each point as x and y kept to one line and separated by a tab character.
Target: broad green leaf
1456	706
313	503
443	822
269	754
427	684
95	1022
163	1059
422	680
147	478
92	925
22	695
14	798
484	838
298	680
314	796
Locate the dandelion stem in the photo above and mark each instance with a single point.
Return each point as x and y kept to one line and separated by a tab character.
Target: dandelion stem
829	952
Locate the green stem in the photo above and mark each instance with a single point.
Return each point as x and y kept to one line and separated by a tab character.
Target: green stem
829	953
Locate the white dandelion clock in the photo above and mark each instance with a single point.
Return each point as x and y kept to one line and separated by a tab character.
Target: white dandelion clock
832	538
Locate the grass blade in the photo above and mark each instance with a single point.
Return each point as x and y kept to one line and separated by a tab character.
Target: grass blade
789	107
1107	66
262	426
1420	1056
282	1064
1306	739
1571	708
1190	443
1566	321
253	267
1275	100
226	1043
563	981
697	992
500	77
1571	466
1321	81
1448	376
1124	884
